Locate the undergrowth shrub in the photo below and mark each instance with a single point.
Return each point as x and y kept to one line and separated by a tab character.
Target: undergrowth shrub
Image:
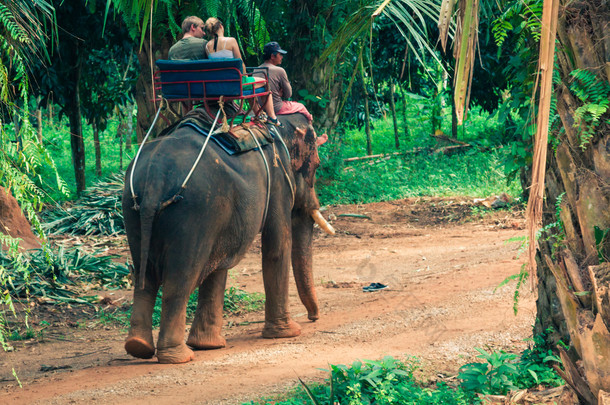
501	372
387	381
56	275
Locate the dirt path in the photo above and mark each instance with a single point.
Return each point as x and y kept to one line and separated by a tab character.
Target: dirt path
441	303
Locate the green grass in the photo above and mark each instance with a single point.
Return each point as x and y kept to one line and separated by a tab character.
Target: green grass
476	172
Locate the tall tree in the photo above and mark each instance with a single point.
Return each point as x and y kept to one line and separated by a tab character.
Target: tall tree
79	36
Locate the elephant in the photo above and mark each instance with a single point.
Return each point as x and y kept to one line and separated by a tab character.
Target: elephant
194	238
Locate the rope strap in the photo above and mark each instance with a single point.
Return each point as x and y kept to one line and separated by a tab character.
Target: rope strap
260	149
134	197
177	197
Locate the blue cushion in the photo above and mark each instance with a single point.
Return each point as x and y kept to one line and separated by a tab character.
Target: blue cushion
220	77
248	92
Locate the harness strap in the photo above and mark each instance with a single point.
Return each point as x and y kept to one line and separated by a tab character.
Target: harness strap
136	207
292	188
260	149
177	196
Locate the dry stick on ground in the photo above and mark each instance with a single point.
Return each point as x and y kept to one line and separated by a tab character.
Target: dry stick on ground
443	137
383	155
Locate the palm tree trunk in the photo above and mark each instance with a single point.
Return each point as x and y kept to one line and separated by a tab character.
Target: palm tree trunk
367	115
98	150
144	86
405	123
394	119
76	131
574	257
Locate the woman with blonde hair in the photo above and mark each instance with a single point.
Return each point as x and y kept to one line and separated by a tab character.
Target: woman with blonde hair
227	47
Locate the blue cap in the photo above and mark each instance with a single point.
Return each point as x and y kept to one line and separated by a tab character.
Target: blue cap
273	47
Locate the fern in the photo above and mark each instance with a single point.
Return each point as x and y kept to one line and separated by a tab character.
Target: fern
500	30
595	96
15	31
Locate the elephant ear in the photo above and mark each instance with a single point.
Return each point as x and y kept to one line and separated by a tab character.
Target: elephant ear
304	154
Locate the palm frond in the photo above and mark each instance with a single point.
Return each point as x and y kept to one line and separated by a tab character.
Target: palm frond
464	53
409	17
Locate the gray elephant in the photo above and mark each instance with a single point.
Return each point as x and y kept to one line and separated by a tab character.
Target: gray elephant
184	238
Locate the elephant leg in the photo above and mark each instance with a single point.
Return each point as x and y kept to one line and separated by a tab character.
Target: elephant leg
206	329
139	341
276	245
171	347
302	263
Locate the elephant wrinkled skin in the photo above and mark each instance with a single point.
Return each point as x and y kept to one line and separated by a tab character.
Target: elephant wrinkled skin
193	242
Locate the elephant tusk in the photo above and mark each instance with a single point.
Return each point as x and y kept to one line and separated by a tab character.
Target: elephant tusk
319	219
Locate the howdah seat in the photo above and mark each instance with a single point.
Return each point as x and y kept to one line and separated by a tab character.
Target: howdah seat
208	81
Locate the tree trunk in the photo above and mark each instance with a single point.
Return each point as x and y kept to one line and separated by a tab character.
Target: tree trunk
573	257
50	114
76	131
405	123
98	150
128	125
393	110
120	136
17	125
144	87
454	121
367	115
124	129
38	121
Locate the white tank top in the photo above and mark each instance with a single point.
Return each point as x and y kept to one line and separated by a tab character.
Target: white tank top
222	53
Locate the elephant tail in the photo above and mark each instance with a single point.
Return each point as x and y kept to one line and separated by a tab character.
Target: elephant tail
147	216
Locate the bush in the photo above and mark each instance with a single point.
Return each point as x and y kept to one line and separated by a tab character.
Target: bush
502	372
387	381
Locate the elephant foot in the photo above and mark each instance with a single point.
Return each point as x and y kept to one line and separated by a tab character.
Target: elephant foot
313	315
283	330
205	341
175	355
139	347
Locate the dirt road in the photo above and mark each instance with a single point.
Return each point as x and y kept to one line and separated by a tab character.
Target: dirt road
441	262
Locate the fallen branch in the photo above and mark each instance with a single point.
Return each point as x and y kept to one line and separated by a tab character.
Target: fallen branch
448	150
384	155
443	137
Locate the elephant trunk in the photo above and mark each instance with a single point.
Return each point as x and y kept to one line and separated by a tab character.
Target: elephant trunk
325	226
302	236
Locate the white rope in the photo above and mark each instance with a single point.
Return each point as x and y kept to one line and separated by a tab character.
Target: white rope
135	161
260	149
207	139
285	173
